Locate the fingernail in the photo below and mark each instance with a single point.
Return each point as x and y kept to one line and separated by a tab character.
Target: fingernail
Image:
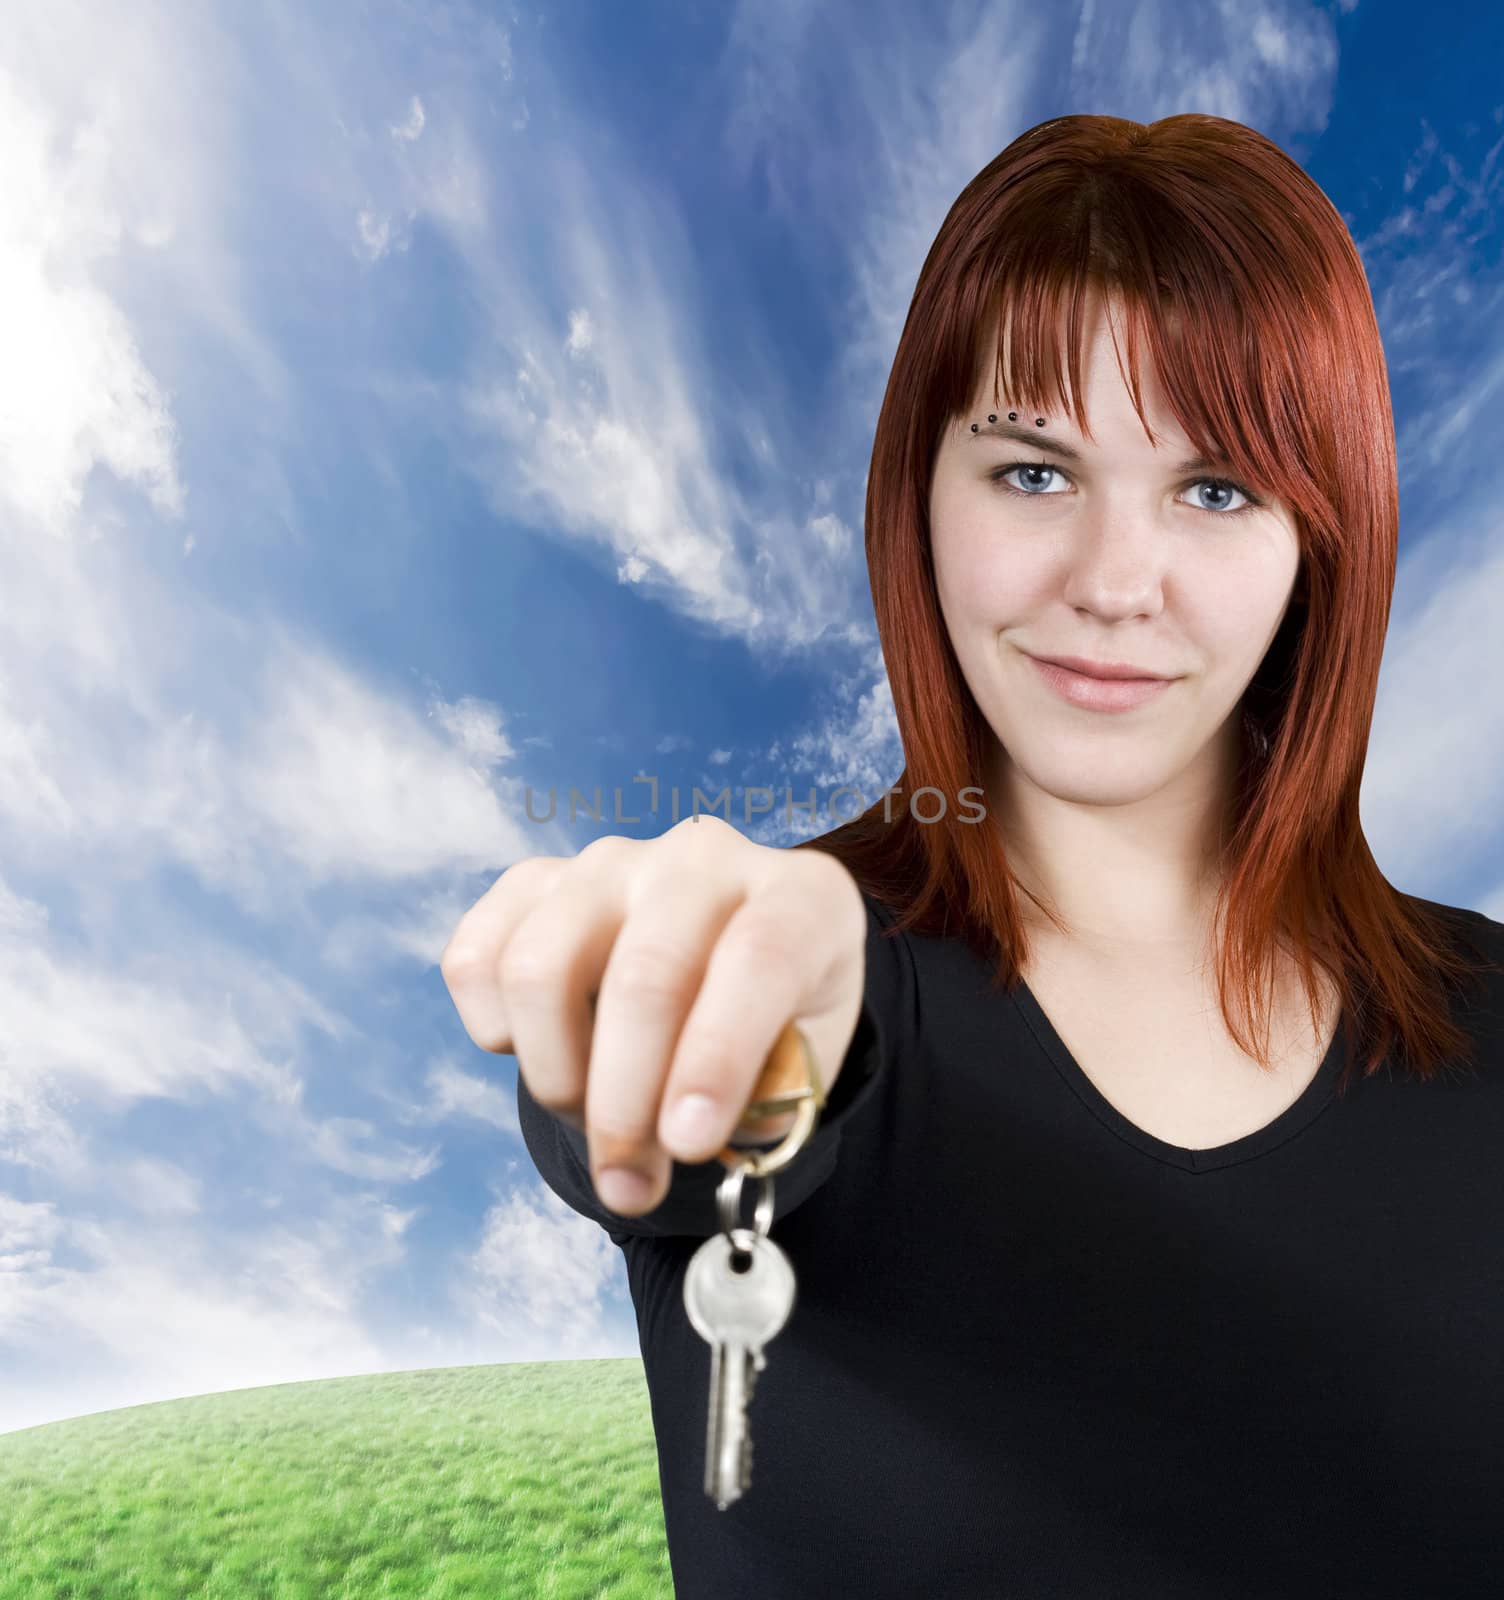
622	1189
693	1121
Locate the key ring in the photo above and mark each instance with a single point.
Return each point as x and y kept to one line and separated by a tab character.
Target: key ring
728	1205
778	1088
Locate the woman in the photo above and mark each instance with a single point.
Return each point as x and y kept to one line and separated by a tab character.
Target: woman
1152	1238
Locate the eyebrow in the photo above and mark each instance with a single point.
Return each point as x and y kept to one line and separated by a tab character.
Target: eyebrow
1058	447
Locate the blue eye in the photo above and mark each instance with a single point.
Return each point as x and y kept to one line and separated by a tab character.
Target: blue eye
998	474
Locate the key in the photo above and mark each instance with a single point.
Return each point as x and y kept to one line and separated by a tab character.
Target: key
737	1313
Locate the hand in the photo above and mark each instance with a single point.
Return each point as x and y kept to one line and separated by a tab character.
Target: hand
642	971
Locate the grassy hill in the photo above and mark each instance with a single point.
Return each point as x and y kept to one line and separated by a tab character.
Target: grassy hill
508	1482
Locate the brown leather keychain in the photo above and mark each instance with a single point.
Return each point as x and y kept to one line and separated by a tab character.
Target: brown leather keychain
789	1081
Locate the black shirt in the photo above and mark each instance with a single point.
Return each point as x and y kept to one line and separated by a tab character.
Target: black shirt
1038	1352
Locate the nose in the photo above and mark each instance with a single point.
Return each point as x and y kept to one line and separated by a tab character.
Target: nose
1114	566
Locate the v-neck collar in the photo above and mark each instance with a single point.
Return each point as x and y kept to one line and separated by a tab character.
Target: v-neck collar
1297	1116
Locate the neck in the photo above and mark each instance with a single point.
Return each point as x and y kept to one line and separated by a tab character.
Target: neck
1134	878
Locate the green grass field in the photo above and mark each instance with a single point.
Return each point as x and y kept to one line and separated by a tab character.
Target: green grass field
508	1482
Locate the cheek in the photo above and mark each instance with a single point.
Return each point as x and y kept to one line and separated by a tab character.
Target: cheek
984	580
1236	608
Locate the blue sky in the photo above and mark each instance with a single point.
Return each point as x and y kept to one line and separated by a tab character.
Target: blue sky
407	406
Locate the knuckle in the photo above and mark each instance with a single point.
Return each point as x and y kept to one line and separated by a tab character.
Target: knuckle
818	904
762	940
456	958
711	1060
707	1046
525	868
532	972
653	969
525	878
699	824
463	956
463	947
606	851
823	865
817	873
705	833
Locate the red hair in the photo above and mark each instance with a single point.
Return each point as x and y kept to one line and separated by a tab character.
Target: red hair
1240	274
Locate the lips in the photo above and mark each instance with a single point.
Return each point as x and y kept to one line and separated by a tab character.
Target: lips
1091	693
1115	671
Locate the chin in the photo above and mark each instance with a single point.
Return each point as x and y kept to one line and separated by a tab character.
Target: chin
1085	774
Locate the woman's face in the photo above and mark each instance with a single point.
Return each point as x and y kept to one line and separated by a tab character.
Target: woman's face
1119	556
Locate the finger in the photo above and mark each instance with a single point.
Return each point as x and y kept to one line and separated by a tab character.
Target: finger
760	977
470	963
550	970
655	968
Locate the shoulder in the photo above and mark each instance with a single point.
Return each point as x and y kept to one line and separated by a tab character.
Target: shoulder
1478	939
1476	928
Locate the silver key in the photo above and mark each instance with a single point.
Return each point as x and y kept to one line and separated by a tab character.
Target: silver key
737	1313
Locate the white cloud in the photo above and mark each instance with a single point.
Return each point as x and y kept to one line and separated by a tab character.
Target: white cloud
456	1093
539	1276
170	1311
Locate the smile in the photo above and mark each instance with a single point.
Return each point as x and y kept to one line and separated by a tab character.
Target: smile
1099	694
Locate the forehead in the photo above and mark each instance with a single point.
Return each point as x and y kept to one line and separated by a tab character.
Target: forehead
1031	350
1111	417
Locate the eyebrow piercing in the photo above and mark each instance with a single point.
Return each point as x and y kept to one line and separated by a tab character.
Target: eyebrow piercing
1012	417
